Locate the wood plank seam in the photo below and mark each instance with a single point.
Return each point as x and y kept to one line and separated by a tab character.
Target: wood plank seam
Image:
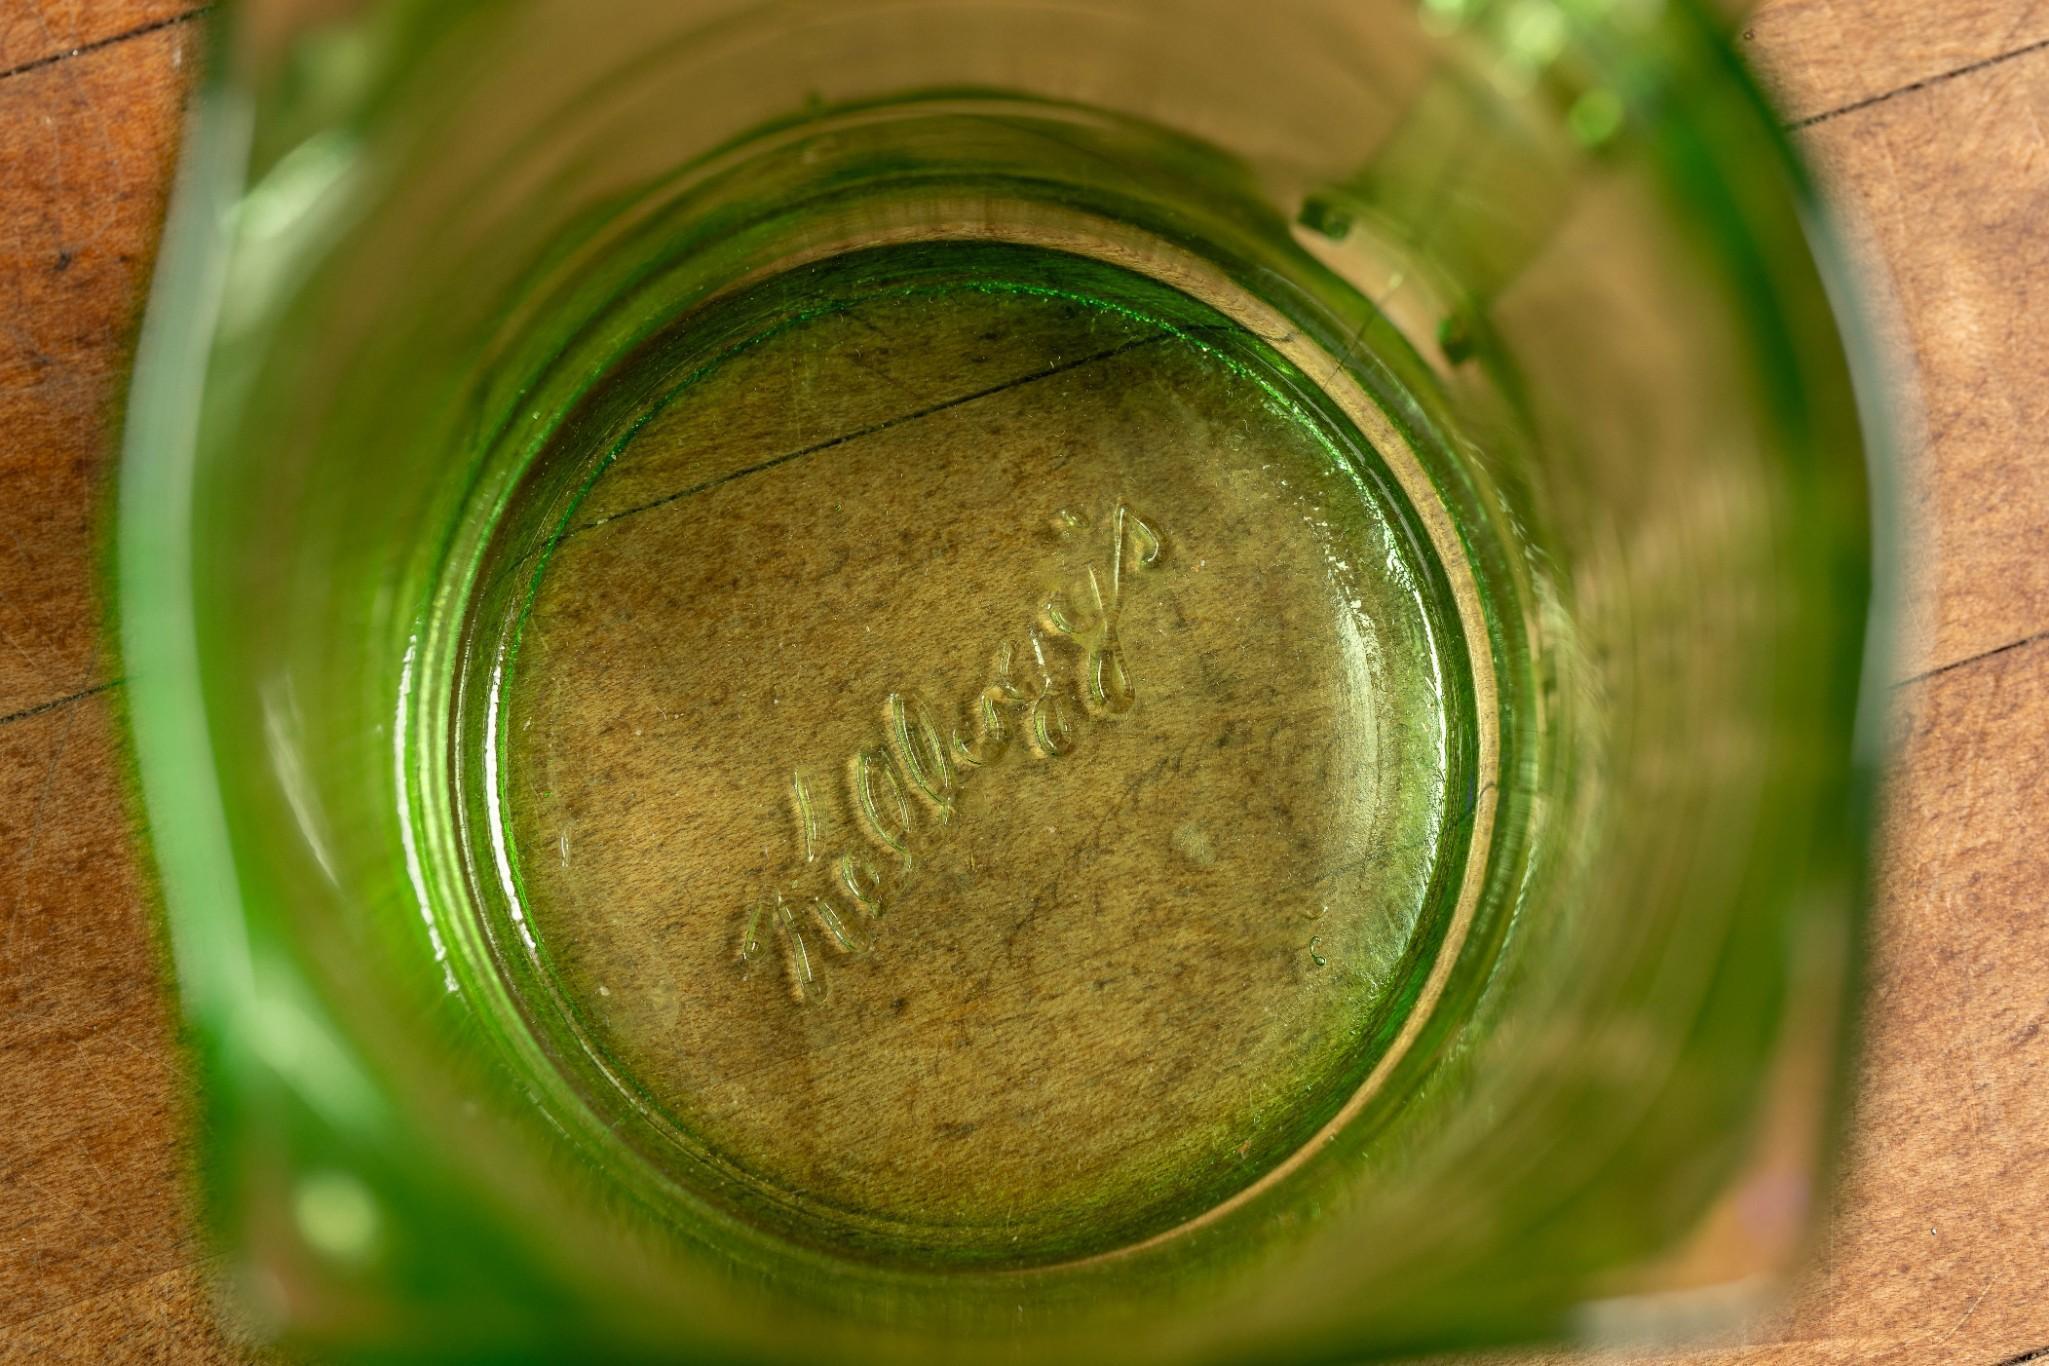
1969	660
100	44
871	429
1926	82
39	708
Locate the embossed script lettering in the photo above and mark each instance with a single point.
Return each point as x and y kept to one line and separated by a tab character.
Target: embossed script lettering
863	824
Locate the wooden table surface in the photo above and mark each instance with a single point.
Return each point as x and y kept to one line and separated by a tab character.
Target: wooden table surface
1925	118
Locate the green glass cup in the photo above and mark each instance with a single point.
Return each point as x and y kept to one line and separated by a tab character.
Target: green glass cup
919	678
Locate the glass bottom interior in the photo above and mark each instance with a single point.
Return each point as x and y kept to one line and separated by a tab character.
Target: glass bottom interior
979	756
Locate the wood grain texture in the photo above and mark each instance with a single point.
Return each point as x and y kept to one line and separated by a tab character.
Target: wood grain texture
1927	123
1820	57
1937	1246
91	1168
35	33
97	1254
1947	190
85	146
1936	1249
166	1318
85	1026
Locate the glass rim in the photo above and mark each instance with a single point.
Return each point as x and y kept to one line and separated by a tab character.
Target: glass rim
155	610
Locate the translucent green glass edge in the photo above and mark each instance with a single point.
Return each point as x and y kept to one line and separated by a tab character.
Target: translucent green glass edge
158	644
1870	374
167	710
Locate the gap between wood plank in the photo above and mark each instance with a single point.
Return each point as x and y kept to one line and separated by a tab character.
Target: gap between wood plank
1967	660
870	430
39	708
97	44
1940	78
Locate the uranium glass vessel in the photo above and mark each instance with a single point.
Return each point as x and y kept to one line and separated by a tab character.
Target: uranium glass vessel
933	678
